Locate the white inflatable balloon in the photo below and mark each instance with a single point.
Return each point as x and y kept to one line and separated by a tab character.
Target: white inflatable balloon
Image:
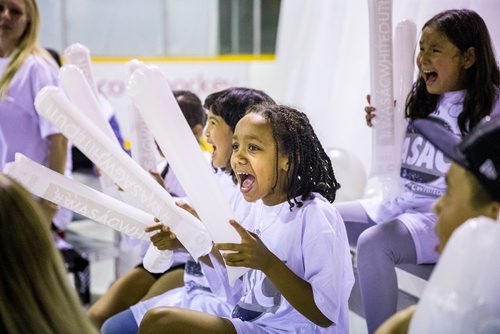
349	172
405	42
144	152
143	143
404	54
55	187
79	92
79	55
78	82
383	168
463	293
125	172
389	124
151	93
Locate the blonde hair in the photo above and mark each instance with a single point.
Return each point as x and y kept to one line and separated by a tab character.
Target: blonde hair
27	45
34	287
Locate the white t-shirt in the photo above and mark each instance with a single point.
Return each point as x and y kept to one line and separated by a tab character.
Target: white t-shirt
24	130
312	241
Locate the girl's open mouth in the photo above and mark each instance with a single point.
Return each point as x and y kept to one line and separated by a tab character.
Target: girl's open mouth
246	182
430	77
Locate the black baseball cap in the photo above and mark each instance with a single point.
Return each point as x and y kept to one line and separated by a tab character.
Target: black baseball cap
478	152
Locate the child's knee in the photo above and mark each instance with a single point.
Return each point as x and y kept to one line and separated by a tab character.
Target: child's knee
158	318
96	317
368	241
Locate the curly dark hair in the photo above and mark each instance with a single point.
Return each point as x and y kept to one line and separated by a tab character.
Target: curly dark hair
464	28
310	167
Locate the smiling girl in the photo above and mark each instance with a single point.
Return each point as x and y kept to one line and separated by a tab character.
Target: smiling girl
458	84
296	244
226	108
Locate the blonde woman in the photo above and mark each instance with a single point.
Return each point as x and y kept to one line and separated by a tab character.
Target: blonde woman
25	68
34	289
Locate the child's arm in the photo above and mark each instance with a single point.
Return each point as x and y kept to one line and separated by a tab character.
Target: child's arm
252	253
57	161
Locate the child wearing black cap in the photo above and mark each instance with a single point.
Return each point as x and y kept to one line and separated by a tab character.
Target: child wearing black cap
473	187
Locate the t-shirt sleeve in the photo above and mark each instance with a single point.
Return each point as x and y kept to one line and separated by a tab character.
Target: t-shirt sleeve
327	260
44	74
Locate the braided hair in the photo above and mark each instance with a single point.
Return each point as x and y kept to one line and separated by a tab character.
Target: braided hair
310	167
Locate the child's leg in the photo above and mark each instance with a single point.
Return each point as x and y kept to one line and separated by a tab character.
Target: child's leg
355	218
171	280
176	320
138	284
121	323
352	212
126	291
379	249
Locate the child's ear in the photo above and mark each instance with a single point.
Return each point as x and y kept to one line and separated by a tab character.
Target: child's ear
469	57
284	164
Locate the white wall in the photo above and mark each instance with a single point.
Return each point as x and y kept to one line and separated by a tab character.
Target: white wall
191	27
132	28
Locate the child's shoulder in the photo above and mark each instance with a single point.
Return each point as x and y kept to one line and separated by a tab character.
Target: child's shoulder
316	201
319	209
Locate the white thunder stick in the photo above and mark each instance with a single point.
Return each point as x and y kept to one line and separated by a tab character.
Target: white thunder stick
143	143
79	91
104	209
113	161
151	93
144	153
405	39
79	55
384	171
55	187
79	85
